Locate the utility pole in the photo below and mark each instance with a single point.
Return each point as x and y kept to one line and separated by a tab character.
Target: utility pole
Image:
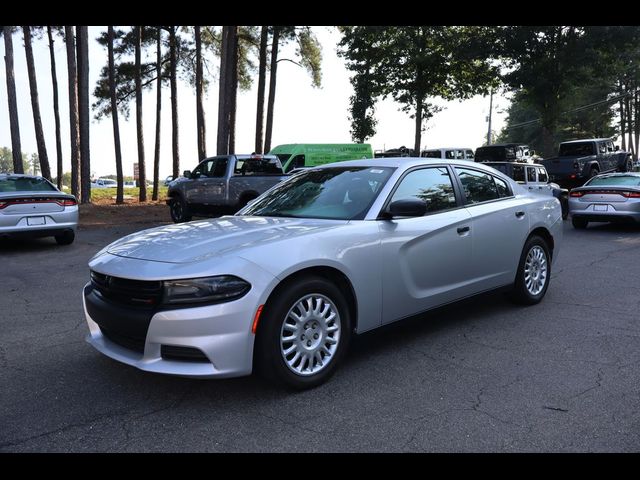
489	117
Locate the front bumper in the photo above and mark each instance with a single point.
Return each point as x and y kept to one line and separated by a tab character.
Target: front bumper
221	332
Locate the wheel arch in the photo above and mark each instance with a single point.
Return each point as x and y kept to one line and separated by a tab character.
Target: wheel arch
546	236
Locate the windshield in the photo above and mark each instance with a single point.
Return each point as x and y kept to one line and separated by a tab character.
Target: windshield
580	148
611	181
25	184
341	193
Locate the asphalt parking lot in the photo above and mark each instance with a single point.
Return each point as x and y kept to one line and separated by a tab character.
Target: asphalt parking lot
484	376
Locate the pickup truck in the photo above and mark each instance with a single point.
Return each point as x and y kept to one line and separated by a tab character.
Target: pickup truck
222	184
580	160
535	179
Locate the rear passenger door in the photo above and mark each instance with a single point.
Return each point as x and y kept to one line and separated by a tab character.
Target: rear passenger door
499	226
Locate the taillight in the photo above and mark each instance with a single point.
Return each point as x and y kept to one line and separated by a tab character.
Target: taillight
3	204
576	194
630	194
68	202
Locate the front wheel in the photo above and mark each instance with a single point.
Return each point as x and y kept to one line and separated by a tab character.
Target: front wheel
304	333
179	210
534	272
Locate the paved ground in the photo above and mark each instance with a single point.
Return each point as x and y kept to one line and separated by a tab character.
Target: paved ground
483	376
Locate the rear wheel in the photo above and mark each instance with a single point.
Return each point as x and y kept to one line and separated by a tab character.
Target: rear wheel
304	333
179	210
593	172
534	272
579	223
65	238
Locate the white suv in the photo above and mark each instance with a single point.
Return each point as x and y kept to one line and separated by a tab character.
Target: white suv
450	153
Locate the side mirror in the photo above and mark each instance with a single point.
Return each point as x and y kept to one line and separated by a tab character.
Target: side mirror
187	173
407	207
532	153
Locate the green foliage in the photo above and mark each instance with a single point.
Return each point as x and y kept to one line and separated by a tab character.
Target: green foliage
310	53
6	161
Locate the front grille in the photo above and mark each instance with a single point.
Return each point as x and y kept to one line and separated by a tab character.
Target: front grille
185	354
132	343
126	291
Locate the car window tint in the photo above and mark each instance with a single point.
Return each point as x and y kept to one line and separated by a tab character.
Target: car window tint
25	184
531	174
518	173
203	168
450	154
469	154
542	175
219	169
432	185
478	186
503	188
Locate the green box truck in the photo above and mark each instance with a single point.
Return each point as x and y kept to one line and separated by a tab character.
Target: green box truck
298	155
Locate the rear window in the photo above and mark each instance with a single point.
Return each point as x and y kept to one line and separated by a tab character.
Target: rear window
253	166
495	154
623	180
25	184
579	148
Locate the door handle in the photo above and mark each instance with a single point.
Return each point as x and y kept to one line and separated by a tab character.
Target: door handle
462	230
519	214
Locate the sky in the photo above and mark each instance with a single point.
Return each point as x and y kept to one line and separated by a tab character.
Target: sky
303	114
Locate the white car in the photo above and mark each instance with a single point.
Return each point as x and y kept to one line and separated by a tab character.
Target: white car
449	153
334	250
104	183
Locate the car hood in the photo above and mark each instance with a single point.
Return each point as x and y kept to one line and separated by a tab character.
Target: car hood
202	239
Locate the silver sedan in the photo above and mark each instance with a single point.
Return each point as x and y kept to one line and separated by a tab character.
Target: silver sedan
611	197
333	251
31	206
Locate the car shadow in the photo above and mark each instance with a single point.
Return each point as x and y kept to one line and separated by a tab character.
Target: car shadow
11	245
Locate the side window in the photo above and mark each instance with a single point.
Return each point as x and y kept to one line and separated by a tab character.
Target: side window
219	169
610	147
518	173
478	186
503	188
531	174
451	154
602	147
297	162
204	168
468	154
542	175
433	185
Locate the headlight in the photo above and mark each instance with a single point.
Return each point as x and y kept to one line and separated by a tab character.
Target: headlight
200	290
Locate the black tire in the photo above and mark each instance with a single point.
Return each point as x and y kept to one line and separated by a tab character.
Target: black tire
579	223
65	238
269	359
244	200
564	204
593	172
179	210
520	293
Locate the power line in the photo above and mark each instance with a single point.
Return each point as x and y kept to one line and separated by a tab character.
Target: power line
583	107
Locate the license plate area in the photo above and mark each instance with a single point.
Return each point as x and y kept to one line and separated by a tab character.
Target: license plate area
600	208
35	221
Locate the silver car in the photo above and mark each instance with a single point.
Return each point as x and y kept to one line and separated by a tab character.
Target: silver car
31	206
281	286
611	197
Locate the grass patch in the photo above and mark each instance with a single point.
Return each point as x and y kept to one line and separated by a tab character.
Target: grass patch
108	195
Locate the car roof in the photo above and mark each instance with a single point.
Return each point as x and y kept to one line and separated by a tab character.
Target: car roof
590	140
446	148
4	176
406	162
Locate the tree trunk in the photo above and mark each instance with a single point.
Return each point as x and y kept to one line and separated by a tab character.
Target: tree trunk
83	112
272	88
418	136
142	176
56	109
73	110
114	117
13	105
636	124
630	145
262	73
622	122
547	142
156	152
35	105
174	102
201	128
233	89
223	124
